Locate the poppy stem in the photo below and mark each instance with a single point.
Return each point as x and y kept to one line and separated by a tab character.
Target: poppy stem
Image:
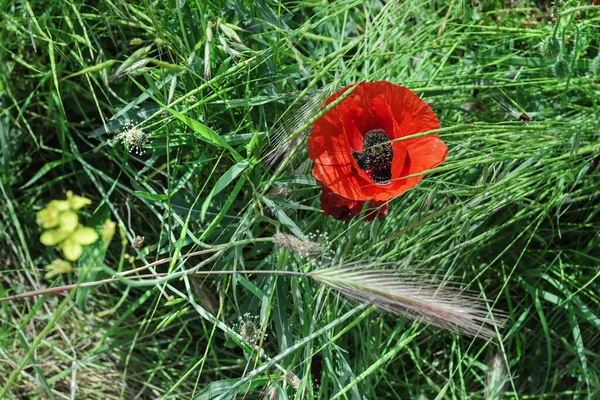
576	9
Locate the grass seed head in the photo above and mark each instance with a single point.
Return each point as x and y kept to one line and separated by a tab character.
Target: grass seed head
249	329
292	380
135	138
138	242
415	294
302	248
272	393
496	379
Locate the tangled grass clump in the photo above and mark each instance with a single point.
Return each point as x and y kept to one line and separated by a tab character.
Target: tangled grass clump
221	216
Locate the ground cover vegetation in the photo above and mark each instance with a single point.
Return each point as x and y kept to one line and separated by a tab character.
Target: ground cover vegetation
162	233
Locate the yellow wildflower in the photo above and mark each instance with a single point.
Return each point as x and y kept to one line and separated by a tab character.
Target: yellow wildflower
61	222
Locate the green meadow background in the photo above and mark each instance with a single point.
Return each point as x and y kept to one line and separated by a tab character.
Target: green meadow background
225	92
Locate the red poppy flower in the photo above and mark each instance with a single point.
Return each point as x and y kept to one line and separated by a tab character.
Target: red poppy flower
353	144
344	209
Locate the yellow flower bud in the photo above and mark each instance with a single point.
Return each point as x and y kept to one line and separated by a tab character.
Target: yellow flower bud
68	221
57	267
72	247
84	235
59	205
52	237
108	230
47	218
67	234
77	202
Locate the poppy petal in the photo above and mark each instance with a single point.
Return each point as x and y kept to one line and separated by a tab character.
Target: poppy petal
377	209
426	153
353	123
412	113
383	115
400	167
328	145
338	207
344	181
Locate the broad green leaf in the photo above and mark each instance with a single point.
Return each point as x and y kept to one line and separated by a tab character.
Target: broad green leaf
93	255
222	183
152	196
215	222
229	388
280	316
47	168
205	132
255	290
283	218
292	204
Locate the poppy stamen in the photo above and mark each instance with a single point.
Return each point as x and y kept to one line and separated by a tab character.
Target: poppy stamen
376	158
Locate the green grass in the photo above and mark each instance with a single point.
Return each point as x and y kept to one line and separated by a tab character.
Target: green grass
513	215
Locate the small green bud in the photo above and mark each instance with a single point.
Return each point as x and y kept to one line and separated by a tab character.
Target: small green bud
561	69
551	48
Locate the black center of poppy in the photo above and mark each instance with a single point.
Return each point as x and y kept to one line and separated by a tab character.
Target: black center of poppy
376	156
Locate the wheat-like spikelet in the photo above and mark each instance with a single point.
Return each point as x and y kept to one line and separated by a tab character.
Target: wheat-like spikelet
291	127
496	379
414	294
